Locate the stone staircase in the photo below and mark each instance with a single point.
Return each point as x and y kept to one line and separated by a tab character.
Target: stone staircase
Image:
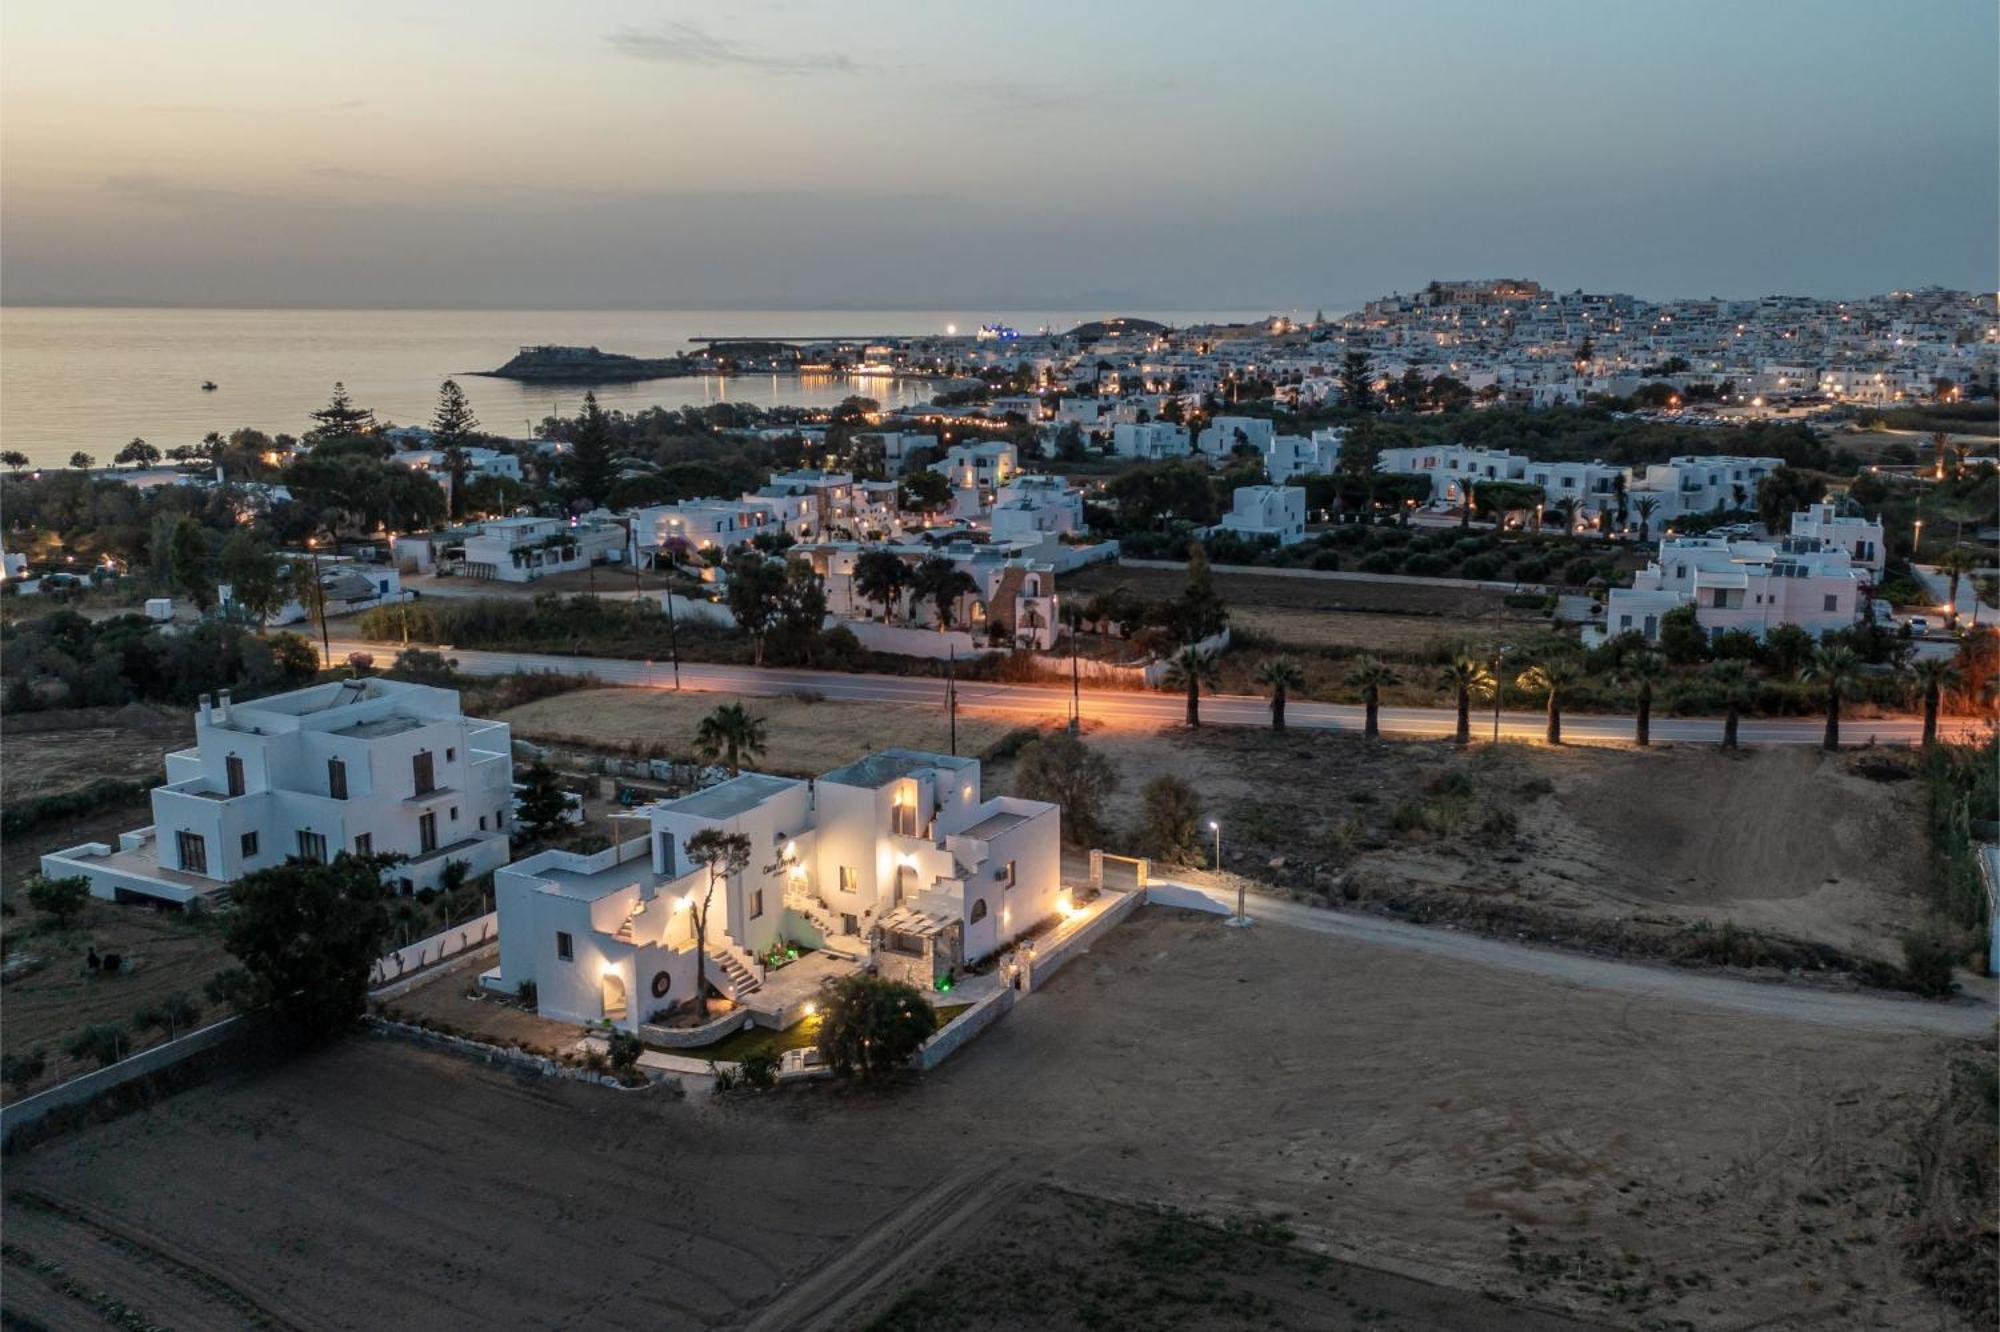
742	980
814	910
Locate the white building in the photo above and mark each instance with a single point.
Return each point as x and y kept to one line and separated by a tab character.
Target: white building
1035	504
1296	455
1149	440
367	766
1859	536
1224	434
1753	586
348	586
984	466
1700	485
700	524
521	550
478	462
1267	511
895	860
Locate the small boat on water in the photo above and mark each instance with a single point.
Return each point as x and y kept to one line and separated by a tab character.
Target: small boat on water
208	386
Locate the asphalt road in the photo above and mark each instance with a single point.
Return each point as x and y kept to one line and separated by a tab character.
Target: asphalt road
1163	708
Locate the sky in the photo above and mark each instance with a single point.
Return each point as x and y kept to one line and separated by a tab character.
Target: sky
780	154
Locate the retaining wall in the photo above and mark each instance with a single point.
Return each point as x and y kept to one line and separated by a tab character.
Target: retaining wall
944	1044
33	1109
440	947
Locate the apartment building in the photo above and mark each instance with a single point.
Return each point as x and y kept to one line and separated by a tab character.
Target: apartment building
897	861
1278	512
364	766
1753	586
1857	534
1149	440
1225	434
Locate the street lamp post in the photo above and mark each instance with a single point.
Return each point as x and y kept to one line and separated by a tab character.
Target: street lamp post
319	598
673	635
1499	684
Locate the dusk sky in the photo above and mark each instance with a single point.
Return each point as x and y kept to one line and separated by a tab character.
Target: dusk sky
1162	155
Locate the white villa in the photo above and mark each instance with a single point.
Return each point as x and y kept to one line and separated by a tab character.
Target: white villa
365	766
1223	434
1150	440
1754	586
1267	511
1035	505
895	860
521	550
1859	536
1678	486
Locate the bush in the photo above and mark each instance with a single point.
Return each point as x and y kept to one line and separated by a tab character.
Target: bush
1530	570
103	1041
422	666
758	1069
17	1071
528	994
1681	637
623	1052
1736	645
62	900
1169	820
870	1027
1062	769
1480	568
1927	964
1425	566
1382	561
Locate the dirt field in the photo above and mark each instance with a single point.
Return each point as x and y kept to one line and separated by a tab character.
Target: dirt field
1271	590
805	737
1830	856
1629	1162
48	752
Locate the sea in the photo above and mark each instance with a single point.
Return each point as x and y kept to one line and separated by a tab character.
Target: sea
92	380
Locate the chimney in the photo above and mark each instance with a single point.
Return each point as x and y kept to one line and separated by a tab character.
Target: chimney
222	708
206	707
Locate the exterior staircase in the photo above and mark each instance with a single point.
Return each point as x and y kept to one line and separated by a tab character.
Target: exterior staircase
741	980
814	910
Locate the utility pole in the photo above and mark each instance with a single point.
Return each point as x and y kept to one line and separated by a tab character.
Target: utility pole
1075	683
951	696
1499	684
673	636
319	598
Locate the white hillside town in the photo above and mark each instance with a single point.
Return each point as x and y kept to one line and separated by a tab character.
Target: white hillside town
897	861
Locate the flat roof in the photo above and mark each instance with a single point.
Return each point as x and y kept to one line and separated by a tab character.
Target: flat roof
993	825
736	796
888	765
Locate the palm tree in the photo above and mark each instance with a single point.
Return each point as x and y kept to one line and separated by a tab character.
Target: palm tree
730	735
1190	669
1369	675
1565	509
1466	677
1940	445
942	583
1733	679
1955	564
1281	675
1552	676
1932	676
1645	506
1642	671
1835	669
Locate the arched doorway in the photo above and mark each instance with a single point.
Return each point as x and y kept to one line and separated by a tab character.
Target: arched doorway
906	884
614	996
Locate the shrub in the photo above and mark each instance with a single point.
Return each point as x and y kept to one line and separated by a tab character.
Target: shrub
1062	769
869	1027
17	1071
623	1052
103	1041
758	1069
1736	645
1425	566
1382	561
527	993
1480	568
171	1015
1927	963
1530	570
1681	637
1169	819
62	900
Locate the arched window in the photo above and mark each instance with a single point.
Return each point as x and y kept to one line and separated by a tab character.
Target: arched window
979	910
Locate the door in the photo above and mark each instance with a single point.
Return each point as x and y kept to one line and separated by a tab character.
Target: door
906	884
614	996
427	832
233	769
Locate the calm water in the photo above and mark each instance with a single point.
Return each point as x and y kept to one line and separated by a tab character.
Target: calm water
91	380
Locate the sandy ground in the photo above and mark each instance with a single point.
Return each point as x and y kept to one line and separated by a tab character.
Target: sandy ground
1632	1163
47	752
805	736
1791	841
1295	593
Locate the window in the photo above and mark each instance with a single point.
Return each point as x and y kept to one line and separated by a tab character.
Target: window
427	833
903	816
1833	601
979	910
249	844
565	946
424	770
336	778
312	846
757	904
849	879
232	768
1007	874
454	813
482	823
364	844
450	755
193	848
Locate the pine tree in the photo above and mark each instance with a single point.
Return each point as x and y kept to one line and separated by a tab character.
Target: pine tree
589	464
341	417
453	424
